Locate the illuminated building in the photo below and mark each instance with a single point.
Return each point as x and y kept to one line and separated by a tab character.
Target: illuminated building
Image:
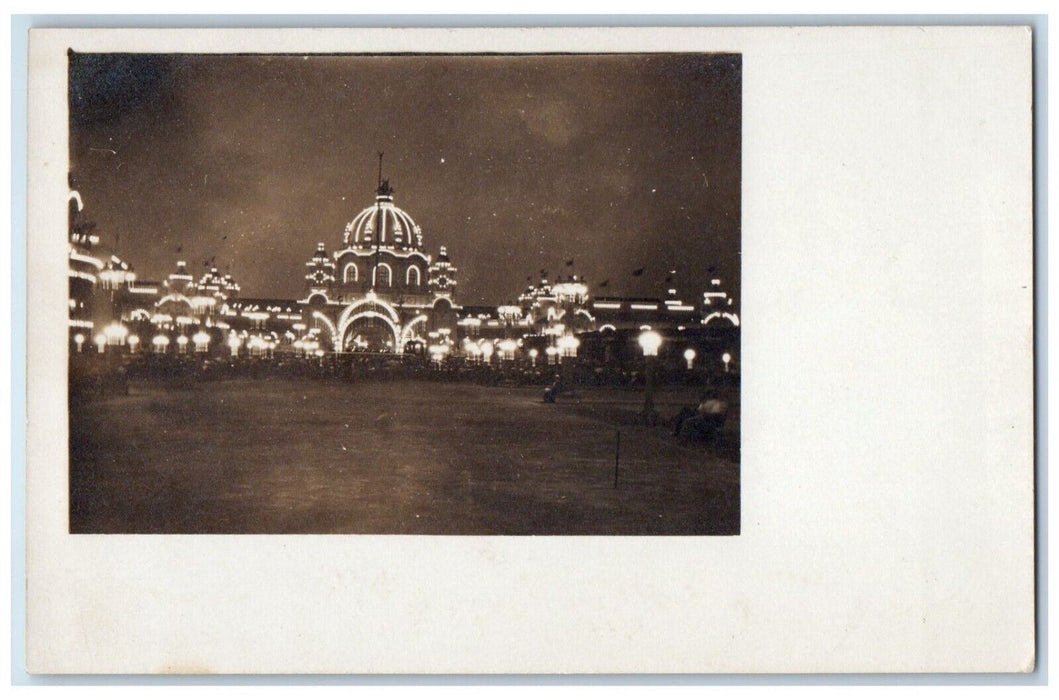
567	306
380	291
83	270
718	307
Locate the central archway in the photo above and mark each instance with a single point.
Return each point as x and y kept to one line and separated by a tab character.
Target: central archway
370	331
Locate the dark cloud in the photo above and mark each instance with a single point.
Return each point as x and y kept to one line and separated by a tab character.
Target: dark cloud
515	163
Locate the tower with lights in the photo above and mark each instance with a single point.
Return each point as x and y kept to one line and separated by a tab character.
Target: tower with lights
380	291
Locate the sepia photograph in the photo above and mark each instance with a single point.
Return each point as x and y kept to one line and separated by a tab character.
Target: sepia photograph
445	294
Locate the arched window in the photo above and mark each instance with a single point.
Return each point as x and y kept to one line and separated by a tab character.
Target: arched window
413	273
383	280
350	273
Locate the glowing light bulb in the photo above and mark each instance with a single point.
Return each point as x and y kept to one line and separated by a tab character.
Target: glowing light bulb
650	341
568	345
115	333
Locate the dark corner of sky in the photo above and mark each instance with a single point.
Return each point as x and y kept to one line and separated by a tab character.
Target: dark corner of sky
104	86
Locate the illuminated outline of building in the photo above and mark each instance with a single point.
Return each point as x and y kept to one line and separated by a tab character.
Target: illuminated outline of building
380	279
380	284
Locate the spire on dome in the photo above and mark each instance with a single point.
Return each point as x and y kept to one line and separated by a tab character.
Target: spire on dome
383	191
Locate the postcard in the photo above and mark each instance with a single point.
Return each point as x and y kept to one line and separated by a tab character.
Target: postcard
530	350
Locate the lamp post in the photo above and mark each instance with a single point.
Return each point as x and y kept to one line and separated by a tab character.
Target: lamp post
689	356
101	343
182	343
471	351
79	339
233	344
437	353
533	356
507	349
726	358
487	352
550	352
161	342
202	341
650	341
568	345
115	334
134	340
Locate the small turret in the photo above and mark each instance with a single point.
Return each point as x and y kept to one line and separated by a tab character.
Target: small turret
442	279
321	270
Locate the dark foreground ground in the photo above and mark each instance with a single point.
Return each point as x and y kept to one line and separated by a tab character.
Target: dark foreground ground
290	456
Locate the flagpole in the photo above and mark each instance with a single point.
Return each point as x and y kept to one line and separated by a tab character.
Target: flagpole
378	227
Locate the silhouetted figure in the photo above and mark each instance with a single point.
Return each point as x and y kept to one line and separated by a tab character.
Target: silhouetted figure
705	421
552	391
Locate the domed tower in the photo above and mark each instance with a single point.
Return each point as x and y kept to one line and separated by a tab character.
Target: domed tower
383	253
379	291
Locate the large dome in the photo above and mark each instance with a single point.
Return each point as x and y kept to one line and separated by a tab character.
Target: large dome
383	225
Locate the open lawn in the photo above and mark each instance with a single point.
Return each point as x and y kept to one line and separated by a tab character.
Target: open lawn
402	457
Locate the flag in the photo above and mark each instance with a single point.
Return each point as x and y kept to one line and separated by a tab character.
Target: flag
637	272
179	248
669	278
570	262
604	282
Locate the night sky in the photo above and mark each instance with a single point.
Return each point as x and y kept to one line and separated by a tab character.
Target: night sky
516	164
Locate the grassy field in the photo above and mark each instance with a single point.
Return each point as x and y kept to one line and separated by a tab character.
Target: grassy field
286	456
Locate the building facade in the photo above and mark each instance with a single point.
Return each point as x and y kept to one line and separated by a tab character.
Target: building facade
378	291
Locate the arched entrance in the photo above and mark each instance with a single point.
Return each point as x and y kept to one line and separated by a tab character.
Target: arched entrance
370	331
412	340
369	325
